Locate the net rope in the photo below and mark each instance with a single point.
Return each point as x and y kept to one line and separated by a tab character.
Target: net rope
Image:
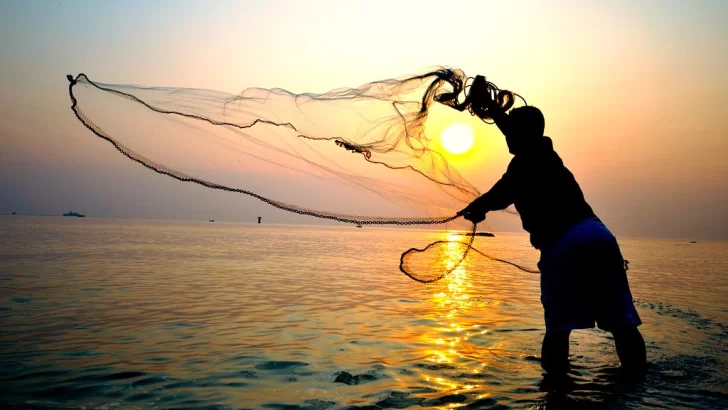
406	141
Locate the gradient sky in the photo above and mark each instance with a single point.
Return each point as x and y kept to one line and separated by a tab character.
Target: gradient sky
634	93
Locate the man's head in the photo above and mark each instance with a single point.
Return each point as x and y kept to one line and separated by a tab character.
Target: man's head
526	126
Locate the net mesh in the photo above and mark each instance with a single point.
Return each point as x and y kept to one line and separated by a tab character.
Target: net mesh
353	155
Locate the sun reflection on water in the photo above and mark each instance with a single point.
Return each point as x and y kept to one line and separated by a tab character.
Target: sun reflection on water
449	344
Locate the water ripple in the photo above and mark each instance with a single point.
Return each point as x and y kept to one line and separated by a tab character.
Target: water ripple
139	314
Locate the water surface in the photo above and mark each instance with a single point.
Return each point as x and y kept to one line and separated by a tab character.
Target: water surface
146	314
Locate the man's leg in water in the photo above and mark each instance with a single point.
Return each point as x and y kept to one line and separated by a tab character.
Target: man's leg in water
555	351
631	350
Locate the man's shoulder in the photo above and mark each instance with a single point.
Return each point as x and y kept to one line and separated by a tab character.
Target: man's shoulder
541	159
547	150
540	149
515	161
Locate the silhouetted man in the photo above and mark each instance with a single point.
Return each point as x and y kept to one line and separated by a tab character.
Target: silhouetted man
583	274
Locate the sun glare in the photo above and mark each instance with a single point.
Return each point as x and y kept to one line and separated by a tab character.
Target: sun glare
457	139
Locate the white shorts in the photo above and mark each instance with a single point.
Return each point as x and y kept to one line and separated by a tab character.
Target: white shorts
584	280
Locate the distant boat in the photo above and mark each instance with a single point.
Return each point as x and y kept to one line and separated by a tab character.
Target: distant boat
76	214
211	220
488	234
358	225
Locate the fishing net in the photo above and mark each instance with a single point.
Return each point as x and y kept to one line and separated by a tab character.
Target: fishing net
353	155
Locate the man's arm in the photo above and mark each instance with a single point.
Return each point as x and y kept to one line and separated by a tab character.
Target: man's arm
484	106
500	196
501	119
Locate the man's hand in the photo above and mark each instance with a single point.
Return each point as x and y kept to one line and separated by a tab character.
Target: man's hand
482	102
472	214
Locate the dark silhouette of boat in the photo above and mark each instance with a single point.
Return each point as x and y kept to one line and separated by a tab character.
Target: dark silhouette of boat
358	225
488	234
211	220
76	214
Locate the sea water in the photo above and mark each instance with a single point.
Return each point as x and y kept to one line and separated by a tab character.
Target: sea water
124	314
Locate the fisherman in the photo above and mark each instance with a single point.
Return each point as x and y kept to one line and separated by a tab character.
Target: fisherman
583	274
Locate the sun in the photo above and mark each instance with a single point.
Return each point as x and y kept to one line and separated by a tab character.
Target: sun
457	139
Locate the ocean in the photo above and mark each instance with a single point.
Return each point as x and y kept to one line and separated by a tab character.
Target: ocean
132	314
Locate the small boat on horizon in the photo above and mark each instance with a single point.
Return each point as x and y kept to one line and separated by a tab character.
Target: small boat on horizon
488	234
211	220
358	225
76	214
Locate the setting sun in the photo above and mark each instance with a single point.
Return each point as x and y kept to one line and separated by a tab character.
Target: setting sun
457	139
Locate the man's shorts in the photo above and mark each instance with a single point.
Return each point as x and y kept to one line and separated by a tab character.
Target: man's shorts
584	280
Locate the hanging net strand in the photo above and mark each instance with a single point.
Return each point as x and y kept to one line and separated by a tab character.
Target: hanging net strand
429	273
304	142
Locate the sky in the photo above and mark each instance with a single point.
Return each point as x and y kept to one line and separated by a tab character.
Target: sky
634	93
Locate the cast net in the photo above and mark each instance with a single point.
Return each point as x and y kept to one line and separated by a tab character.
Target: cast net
353	155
